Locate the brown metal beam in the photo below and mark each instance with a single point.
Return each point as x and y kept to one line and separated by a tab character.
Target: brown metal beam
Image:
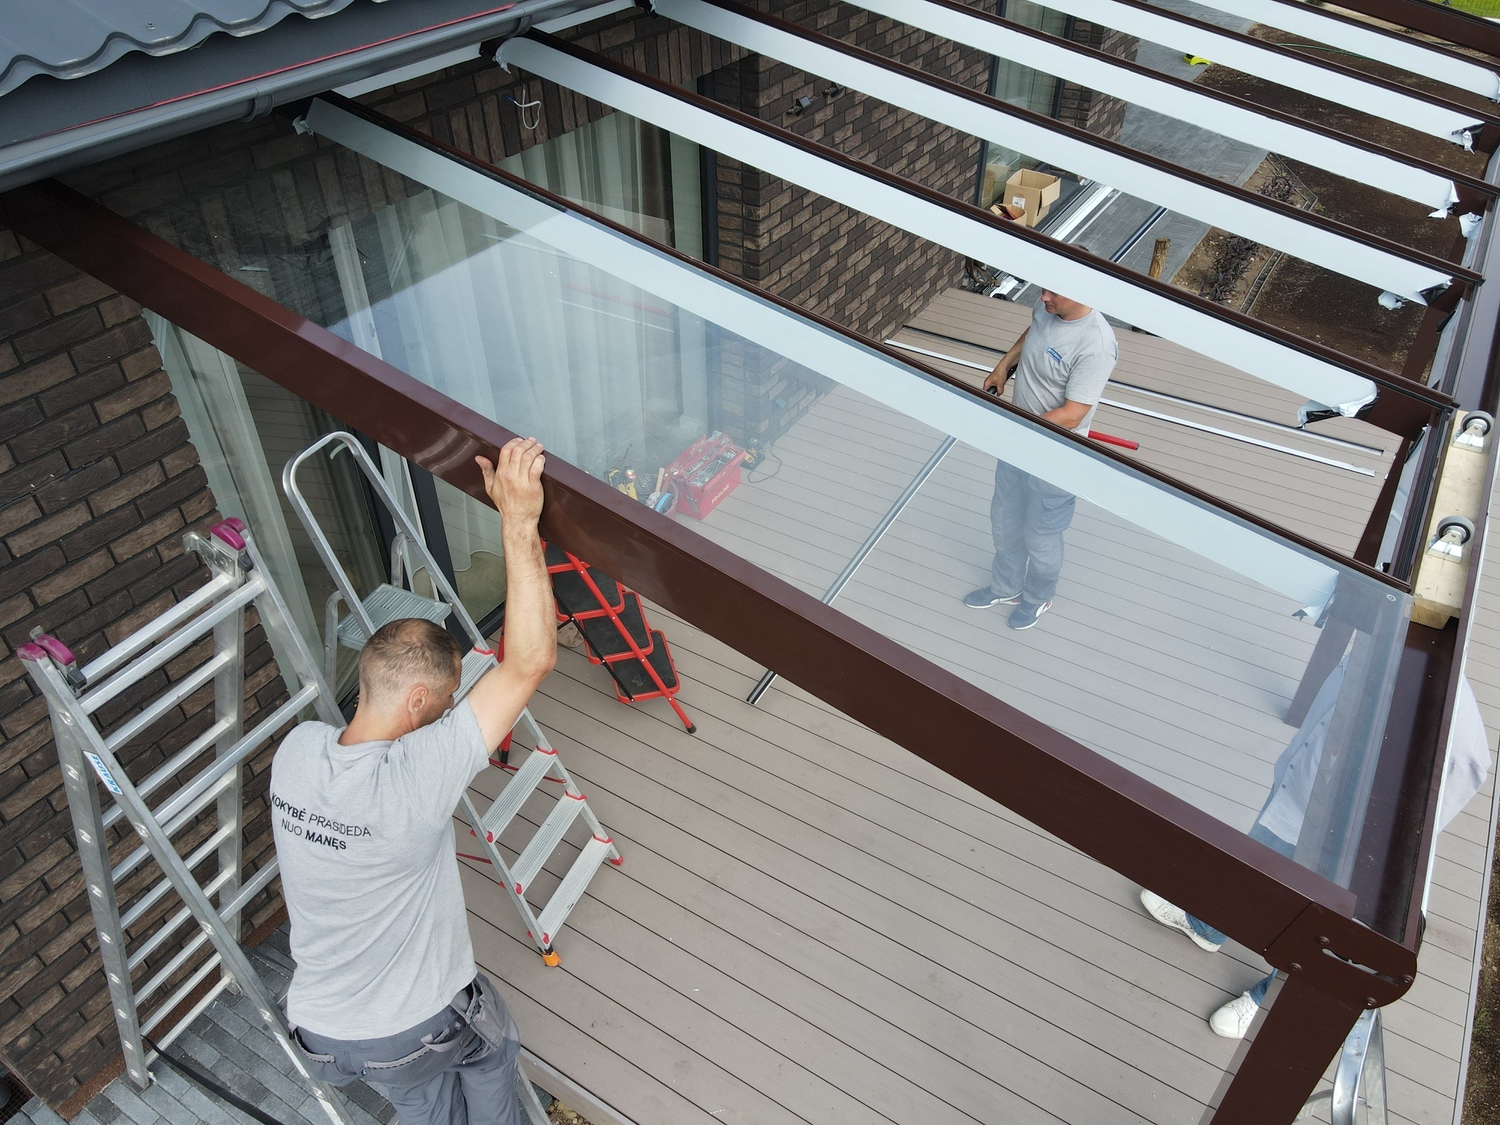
1104	809
1275	1073
1439	20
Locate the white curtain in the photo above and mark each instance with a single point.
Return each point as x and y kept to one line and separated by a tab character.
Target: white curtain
212	399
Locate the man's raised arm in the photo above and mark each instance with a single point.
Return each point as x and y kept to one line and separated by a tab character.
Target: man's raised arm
514	483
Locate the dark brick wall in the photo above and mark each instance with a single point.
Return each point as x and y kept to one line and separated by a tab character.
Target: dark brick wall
1089	109
98	483
833	261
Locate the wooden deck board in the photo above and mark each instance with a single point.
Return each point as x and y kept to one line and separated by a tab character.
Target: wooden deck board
814	926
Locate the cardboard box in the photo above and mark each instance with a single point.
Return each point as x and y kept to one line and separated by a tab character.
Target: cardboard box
1035	192
995	176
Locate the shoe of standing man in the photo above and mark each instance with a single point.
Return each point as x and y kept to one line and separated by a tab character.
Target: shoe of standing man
985	597
1176	918
1233	1019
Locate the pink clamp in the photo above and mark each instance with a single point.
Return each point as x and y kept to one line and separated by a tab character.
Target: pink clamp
44	646
229	532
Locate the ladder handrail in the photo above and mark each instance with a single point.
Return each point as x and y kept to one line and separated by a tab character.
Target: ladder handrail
403	522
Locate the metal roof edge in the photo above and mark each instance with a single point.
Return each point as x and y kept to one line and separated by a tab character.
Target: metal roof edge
141	100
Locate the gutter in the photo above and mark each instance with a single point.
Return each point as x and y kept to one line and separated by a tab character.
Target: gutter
256	95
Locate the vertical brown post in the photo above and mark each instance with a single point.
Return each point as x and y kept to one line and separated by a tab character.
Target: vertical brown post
1159	256
1301	1033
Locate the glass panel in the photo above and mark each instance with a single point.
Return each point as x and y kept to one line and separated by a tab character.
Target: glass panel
245	428
1021	86
627	170
1180	634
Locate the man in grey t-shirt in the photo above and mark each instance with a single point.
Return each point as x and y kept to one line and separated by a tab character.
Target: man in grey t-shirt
1061	363
386	988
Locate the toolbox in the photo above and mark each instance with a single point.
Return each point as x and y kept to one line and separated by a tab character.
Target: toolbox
705	473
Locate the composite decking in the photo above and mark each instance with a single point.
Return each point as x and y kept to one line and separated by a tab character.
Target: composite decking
812	925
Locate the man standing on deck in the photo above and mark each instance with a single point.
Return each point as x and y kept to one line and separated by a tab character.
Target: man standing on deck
386	988
1061	362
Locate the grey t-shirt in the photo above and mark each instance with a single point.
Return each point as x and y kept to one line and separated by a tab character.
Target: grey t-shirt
1065	359
365	838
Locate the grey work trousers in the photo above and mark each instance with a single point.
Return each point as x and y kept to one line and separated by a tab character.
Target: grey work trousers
457	1068
1028	517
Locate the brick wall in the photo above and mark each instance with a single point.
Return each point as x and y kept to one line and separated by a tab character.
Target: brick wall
98	483
1089	109
833	261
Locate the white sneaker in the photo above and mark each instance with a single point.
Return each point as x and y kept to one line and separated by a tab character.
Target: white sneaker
1233	1019
1175	918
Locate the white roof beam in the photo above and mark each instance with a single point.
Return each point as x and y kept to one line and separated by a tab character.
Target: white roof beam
1022	253
1242	124
1241	53
1283	228
1393	48
1241	547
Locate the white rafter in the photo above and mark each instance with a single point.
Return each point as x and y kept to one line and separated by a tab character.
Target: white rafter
1278	227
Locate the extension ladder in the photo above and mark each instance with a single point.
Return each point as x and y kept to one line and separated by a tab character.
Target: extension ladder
394	600
238	578
614	628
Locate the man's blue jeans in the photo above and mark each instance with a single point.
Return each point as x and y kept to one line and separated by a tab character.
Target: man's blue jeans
1027	518
1208	933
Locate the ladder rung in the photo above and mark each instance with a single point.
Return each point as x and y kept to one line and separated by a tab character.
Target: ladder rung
122	872
174	923
184	638
237	754
171	698
253	887
388	603
143	638
169	1005
514	795
172	766
545	842
168	1037
165	973
161	887
571	889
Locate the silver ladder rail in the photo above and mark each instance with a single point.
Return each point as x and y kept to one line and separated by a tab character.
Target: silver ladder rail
1359	1078
237	579
394	600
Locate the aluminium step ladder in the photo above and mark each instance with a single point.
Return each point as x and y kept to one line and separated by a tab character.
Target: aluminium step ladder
209	783
612	622
395	600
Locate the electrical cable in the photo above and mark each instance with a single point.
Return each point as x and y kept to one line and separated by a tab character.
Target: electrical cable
208	1085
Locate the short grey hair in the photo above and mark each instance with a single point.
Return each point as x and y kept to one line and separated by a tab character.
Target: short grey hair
405	653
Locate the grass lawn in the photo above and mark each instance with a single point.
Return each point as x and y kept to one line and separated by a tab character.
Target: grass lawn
1478	7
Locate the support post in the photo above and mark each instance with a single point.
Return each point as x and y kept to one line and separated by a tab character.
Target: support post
1159	256
1298	1035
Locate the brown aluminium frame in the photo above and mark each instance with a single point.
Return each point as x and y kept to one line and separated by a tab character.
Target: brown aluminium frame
1267	901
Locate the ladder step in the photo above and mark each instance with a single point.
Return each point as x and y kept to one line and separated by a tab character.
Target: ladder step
475	665
571	889
604	636
514	795
389	603
634	677
545	842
